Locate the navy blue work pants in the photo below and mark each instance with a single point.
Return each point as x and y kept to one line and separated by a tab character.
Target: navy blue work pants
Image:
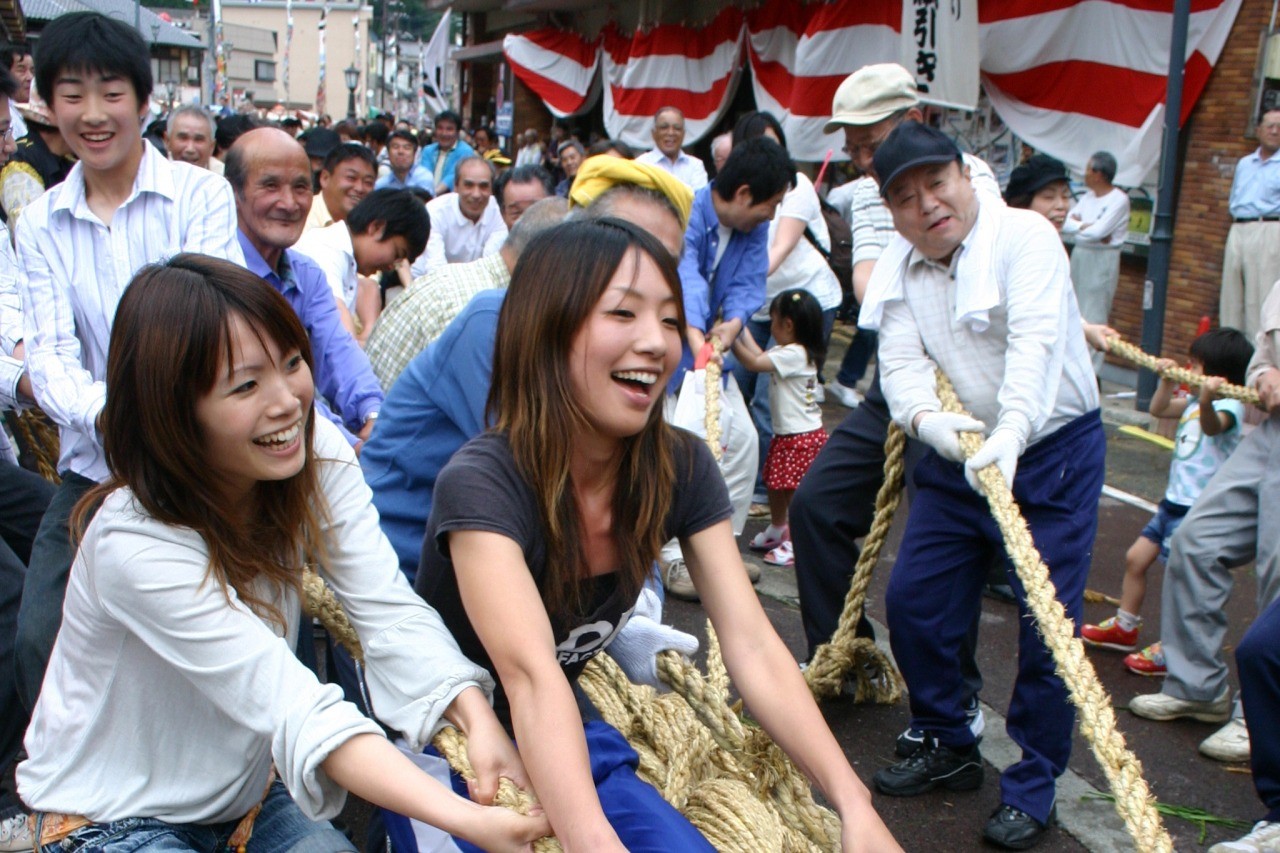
936	588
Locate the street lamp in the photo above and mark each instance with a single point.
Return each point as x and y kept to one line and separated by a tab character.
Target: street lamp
352	77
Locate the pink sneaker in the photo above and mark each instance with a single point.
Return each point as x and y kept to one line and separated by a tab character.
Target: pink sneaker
781	556
764	542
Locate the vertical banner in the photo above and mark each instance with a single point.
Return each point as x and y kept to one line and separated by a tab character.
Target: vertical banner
422	81
355	35
393	67
938	46
434	71
219	55
288	43
320	93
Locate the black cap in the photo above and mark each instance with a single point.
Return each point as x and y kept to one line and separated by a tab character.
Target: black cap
1032	176
911	144
319	141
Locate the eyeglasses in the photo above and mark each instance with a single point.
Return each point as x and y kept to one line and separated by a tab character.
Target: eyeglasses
869	147
7	134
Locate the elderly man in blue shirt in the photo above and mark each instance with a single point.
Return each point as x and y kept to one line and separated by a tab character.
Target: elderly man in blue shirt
1251	262
271	179
722	272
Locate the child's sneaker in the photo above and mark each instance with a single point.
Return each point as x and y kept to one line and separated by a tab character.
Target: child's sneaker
781	556
768	539
1149	661
1109	635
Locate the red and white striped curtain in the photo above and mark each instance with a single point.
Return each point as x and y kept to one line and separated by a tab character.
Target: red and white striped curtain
693	69
1072	78
800	53
559	66
1068	76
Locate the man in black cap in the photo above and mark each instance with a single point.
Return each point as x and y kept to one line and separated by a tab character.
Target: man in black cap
983	292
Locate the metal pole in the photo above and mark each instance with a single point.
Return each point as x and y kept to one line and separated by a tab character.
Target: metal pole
1156	287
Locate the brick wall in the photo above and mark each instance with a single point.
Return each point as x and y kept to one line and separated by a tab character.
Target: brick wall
1214	141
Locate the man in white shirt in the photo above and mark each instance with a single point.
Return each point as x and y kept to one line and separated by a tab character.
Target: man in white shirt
123	206
982	292
462	222
668	137
189	136
1099	222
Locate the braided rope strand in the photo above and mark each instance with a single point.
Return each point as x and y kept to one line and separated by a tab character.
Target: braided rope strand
1126	350
1133	799
845	652
319	601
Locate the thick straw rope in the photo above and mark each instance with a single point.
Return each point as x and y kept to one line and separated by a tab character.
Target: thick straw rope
712	397
1124	349
1133	801
320	602
38	435
876	679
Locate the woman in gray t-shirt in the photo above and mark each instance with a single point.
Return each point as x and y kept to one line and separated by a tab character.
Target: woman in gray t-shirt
544	530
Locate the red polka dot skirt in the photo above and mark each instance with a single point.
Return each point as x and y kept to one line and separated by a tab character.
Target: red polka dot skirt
790	457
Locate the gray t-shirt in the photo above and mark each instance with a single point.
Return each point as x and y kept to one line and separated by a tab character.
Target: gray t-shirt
481	489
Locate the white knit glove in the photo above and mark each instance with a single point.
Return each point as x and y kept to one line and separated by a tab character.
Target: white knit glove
1003	447
941	431
644	637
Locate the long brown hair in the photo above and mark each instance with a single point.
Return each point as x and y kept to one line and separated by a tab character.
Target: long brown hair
556	283
170	339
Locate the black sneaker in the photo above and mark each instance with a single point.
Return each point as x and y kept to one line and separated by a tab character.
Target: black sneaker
911	739
931	766
1014	829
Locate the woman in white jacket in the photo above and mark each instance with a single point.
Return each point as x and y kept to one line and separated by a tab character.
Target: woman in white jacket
174	714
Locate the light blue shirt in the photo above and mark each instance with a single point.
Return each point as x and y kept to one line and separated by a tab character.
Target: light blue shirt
1255	191
1196	456
418	178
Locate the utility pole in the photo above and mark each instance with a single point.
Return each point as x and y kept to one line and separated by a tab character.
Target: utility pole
1155	289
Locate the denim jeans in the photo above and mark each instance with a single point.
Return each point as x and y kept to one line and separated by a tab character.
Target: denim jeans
280	827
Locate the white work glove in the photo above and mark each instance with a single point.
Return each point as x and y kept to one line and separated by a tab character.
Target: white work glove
941	431
644	637
1003	447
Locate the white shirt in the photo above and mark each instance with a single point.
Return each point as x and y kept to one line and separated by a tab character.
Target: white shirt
792	403
1028	370
164	701
16	122
75	270
330	247
455	239
10	336
804	266
1107	219
688	169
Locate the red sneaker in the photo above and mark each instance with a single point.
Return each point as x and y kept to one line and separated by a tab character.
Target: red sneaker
1109	635
1149	661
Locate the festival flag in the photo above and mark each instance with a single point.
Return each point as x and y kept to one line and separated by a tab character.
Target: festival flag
433	65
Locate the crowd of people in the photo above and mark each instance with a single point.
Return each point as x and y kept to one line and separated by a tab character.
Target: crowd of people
460	385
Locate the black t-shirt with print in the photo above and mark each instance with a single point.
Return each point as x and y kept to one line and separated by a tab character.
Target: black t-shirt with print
481	489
